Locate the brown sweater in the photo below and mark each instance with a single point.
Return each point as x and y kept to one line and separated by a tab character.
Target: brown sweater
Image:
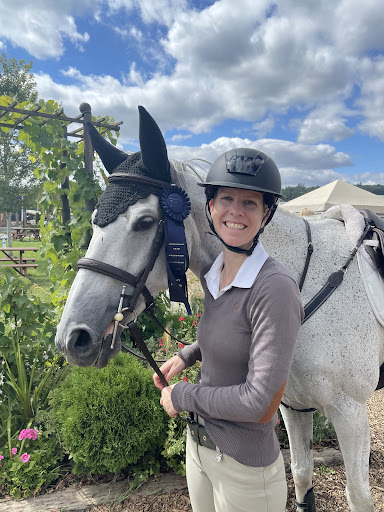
246	339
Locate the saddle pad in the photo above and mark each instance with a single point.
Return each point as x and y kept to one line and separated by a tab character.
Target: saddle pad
374	286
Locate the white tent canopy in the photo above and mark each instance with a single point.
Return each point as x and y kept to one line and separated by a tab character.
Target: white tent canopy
337	192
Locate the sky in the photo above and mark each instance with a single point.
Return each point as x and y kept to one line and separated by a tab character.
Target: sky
301	80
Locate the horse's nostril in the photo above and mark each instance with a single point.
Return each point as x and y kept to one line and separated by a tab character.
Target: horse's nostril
82	343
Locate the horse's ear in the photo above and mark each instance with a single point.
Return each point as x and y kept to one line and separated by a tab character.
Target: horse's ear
110	155
152	144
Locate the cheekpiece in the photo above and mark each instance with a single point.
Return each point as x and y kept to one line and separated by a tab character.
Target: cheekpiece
175	203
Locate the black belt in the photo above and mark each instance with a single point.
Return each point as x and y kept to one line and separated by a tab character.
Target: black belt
199	434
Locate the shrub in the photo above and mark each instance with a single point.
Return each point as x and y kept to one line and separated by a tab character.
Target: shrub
174	446
111	418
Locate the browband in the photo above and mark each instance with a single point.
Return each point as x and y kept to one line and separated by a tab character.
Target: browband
119	176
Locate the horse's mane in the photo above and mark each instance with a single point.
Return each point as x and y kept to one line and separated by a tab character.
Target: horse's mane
193	168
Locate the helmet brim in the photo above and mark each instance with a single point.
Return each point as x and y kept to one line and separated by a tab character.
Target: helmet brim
238	185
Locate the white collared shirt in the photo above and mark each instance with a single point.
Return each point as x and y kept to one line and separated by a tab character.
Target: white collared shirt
245	276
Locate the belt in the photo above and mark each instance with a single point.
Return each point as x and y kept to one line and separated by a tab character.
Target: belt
199	434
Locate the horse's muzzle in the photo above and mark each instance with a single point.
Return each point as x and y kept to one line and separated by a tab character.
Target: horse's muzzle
81	348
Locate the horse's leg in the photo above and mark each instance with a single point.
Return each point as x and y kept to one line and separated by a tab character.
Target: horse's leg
299	426
350	420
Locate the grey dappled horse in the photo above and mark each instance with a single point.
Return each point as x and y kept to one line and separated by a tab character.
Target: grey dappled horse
339	349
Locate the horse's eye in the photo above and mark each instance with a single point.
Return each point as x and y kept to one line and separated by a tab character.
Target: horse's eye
143	224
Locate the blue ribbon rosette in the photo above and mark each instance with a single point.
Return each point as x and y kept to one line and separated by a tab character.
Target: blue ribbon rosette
176	205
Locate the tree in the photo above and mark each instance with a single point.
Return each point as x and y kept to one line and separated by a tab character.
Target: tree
18	186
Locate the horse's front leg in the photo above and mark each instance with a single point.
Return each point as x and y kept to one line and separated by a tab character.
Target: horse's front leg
299	426
350	419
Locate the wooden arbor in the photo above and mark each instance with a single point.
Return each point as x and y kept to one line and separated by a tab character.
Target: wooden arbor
78	132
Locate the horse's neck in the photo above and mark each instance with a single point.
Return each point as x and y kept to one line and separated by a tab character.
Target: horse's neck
285	239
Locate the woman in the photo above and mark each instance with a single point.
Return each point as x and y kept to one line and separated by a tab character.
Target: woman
246	339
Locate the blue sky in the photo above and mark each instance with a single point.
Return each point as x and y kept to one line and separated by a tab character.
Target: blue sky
301	80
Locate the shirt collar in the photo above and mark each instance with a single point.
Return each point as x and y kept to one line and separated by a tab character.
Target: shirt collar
245	276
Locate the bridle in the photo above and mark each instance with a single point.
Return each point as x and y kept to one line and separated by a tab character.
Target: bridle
137	282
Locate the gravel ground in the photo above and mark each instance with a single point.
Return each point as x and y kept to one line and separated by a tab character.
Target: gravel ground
329	482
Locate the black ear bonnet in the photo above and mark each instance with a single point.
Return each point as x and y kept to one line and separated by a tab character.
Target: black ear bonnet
151	161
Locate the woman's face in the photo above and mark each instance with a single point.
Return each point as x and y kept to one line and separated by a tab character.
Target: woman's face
237	215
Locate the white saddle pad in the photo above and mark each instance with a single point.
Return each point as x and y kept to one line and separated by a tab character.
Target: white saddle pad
372	280
374	287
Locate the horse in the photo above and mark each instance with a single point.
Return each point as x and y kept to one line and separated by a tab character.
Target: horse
339	350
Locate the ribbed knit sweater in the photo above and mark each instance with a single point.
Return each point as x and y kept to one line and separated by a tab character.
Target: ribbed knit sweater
246	339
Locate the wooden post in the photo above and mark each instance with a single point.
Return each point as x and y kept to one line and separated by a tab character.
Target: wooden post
9	229
85	109
65	208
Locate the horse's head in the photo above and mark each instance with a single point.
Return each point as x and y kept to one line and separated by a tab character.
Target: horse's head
126	222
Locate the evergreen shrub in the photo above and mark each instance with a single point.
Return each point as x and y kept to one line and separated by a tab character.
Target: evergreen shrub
111	418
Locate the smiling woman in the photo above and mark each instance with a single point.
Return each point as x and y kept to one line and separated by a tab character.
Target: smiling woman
246	339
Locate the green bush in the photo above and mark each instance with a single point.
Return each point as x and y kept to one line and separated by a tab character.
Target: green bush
111	418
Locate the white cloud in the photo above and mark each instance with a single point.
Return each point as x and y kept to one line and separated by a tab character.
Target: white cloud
326	122
259	62
264	127
298	163
39	26
180	136
371	101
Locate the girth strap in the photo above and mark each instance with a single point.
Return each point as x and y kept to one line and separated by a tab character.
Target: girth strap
309	254
333	282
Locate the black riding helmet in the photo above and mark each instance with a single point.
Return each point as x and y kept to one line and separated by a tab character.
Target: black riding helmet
249	169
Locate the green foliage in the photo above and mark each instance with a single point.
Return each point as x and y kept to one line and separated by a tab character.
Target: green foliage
30	368
16	80
24	319
174	446
18	186
39	467
183	328
323	431
110	418
59	166
291	192
374	189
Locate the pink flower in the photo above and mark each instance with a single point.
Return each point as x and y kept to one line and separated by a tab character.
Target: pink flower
198	314
160	343
185	378
194	323
181	319
25	457
1	457
14	451
28	433
278	422
181	345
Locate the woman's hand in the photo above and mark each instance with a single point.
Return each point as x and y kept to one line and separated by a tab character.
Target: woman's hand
169	369
166	401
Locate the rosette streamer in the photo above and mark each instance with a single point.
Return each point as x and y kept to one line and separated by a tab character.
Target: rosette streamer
176	206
